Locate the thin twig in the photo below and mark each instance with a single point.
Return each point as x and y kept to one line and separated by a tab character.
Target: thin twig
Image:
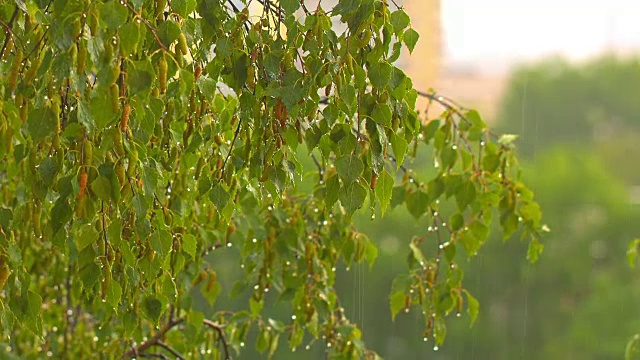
220	329
154	340
153	30
235	137
173	351
320	169
9	29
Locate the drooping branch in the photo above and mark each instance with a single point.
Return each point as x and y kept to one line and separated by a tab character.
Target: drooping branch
135	350
157	340
220	329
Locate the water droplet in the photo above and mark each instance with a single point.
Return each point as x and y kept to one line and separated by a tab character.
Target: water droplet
254	240
373	216
425	339
229	244
293	317
435	348
256	287
458	314
242	344
307	347
406	310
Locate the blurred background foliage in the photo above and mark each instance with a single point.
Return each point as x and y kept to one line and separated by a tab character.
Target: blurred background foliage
578	127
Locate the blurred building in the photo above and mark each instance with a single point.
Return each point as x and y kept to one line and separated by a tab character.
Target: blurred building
428	67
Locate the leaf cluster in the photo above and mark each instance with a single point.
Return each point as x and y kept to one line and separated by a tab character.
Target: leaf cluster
140	136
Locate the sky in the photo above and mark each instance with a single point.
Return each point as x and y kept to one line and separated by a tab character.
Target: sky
500	32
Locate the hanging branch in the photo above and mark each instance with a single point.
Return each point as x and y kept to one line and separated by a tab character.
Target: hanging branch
156	340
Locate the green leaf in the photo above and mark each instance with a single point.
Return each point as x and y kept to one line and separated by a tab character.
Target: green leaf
86	236
129	35
632	252
211	292
399	145
139	77
332	191
380	74
633	348
456	221
240	67
370	252
417	253
102	188
189	244
219	196
152	308
256	307
399	20
430	130
290	6
6	215
113	14
183	7
349	168
60	215
352	196
473	307
48	169
465	195
473	116
534	250
509	223
114	231
417	203
479	230
28	307
410	39
41	123
396	301
448	157
102	110
115	294
168	32
384	190
382	114
507	139
149	180
531	213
